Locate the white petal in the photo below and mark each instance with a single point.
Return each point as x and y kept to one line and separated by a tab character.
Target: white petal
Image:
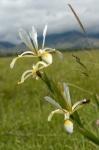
79	104
13	62
25	38
20	56
51	50
26	52
40	65
44	35
66	94
25	75
33	35
57	111
68	126
53	102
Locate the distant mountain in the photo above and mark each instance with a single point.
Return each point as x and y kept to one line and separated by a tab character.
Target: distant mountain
73	40
7	48
67	40
6	45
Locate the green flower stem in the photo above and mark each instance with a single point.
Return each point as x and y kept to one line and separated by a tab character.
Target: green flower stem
89	135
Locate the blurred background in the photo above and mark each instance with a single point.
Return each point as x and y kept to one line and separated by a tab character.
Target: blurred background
63	29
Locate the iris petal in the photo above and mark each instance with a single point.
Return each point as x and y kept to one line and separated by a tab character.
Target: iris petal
25	75
24	54
79	104
25	38
44	35
53	102
33	36
57	111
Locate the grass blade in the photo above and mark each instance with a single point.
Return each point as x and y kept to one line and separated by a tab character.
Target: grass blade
77	18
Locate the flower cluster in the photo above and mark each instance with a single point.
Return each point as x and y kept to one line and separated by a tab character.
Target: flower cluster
44	54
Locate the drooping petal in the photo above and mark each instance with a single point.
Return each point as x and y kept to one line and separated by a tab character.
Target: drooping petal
57	111
13	62
40	65
25	38
66	95
33	36
44	35
68	126
79	104
53	102
27	52
20	56
49	49
25	75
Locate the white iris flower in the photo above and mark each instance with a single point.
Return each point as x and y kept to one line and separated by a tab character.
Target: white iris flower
30	40
68	124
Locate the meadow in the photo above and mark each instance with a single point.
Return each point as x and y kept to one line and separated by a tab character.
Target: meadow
23	111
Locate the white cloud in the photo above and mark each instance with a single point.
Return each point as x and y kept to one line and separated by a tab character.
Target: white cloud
25	13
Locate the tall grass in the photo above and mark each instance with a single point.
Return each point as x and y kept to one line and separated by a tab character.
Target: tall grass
23	112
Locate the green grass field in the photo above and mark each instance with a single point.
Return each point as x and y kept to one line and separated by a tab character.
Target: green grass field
23	111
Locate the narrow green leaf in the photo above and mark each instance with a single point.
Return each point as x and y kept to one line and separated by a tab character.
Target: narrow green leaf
89	135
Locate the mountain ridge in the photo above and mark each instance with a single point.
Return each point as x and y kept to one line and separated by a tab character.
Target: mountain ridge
67	40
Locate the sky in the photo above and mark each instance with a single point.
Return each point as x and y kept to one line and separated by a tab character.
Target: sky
16	14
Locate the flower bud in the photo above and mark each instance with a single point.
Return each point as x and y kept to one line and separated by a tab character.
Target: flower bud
68	126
